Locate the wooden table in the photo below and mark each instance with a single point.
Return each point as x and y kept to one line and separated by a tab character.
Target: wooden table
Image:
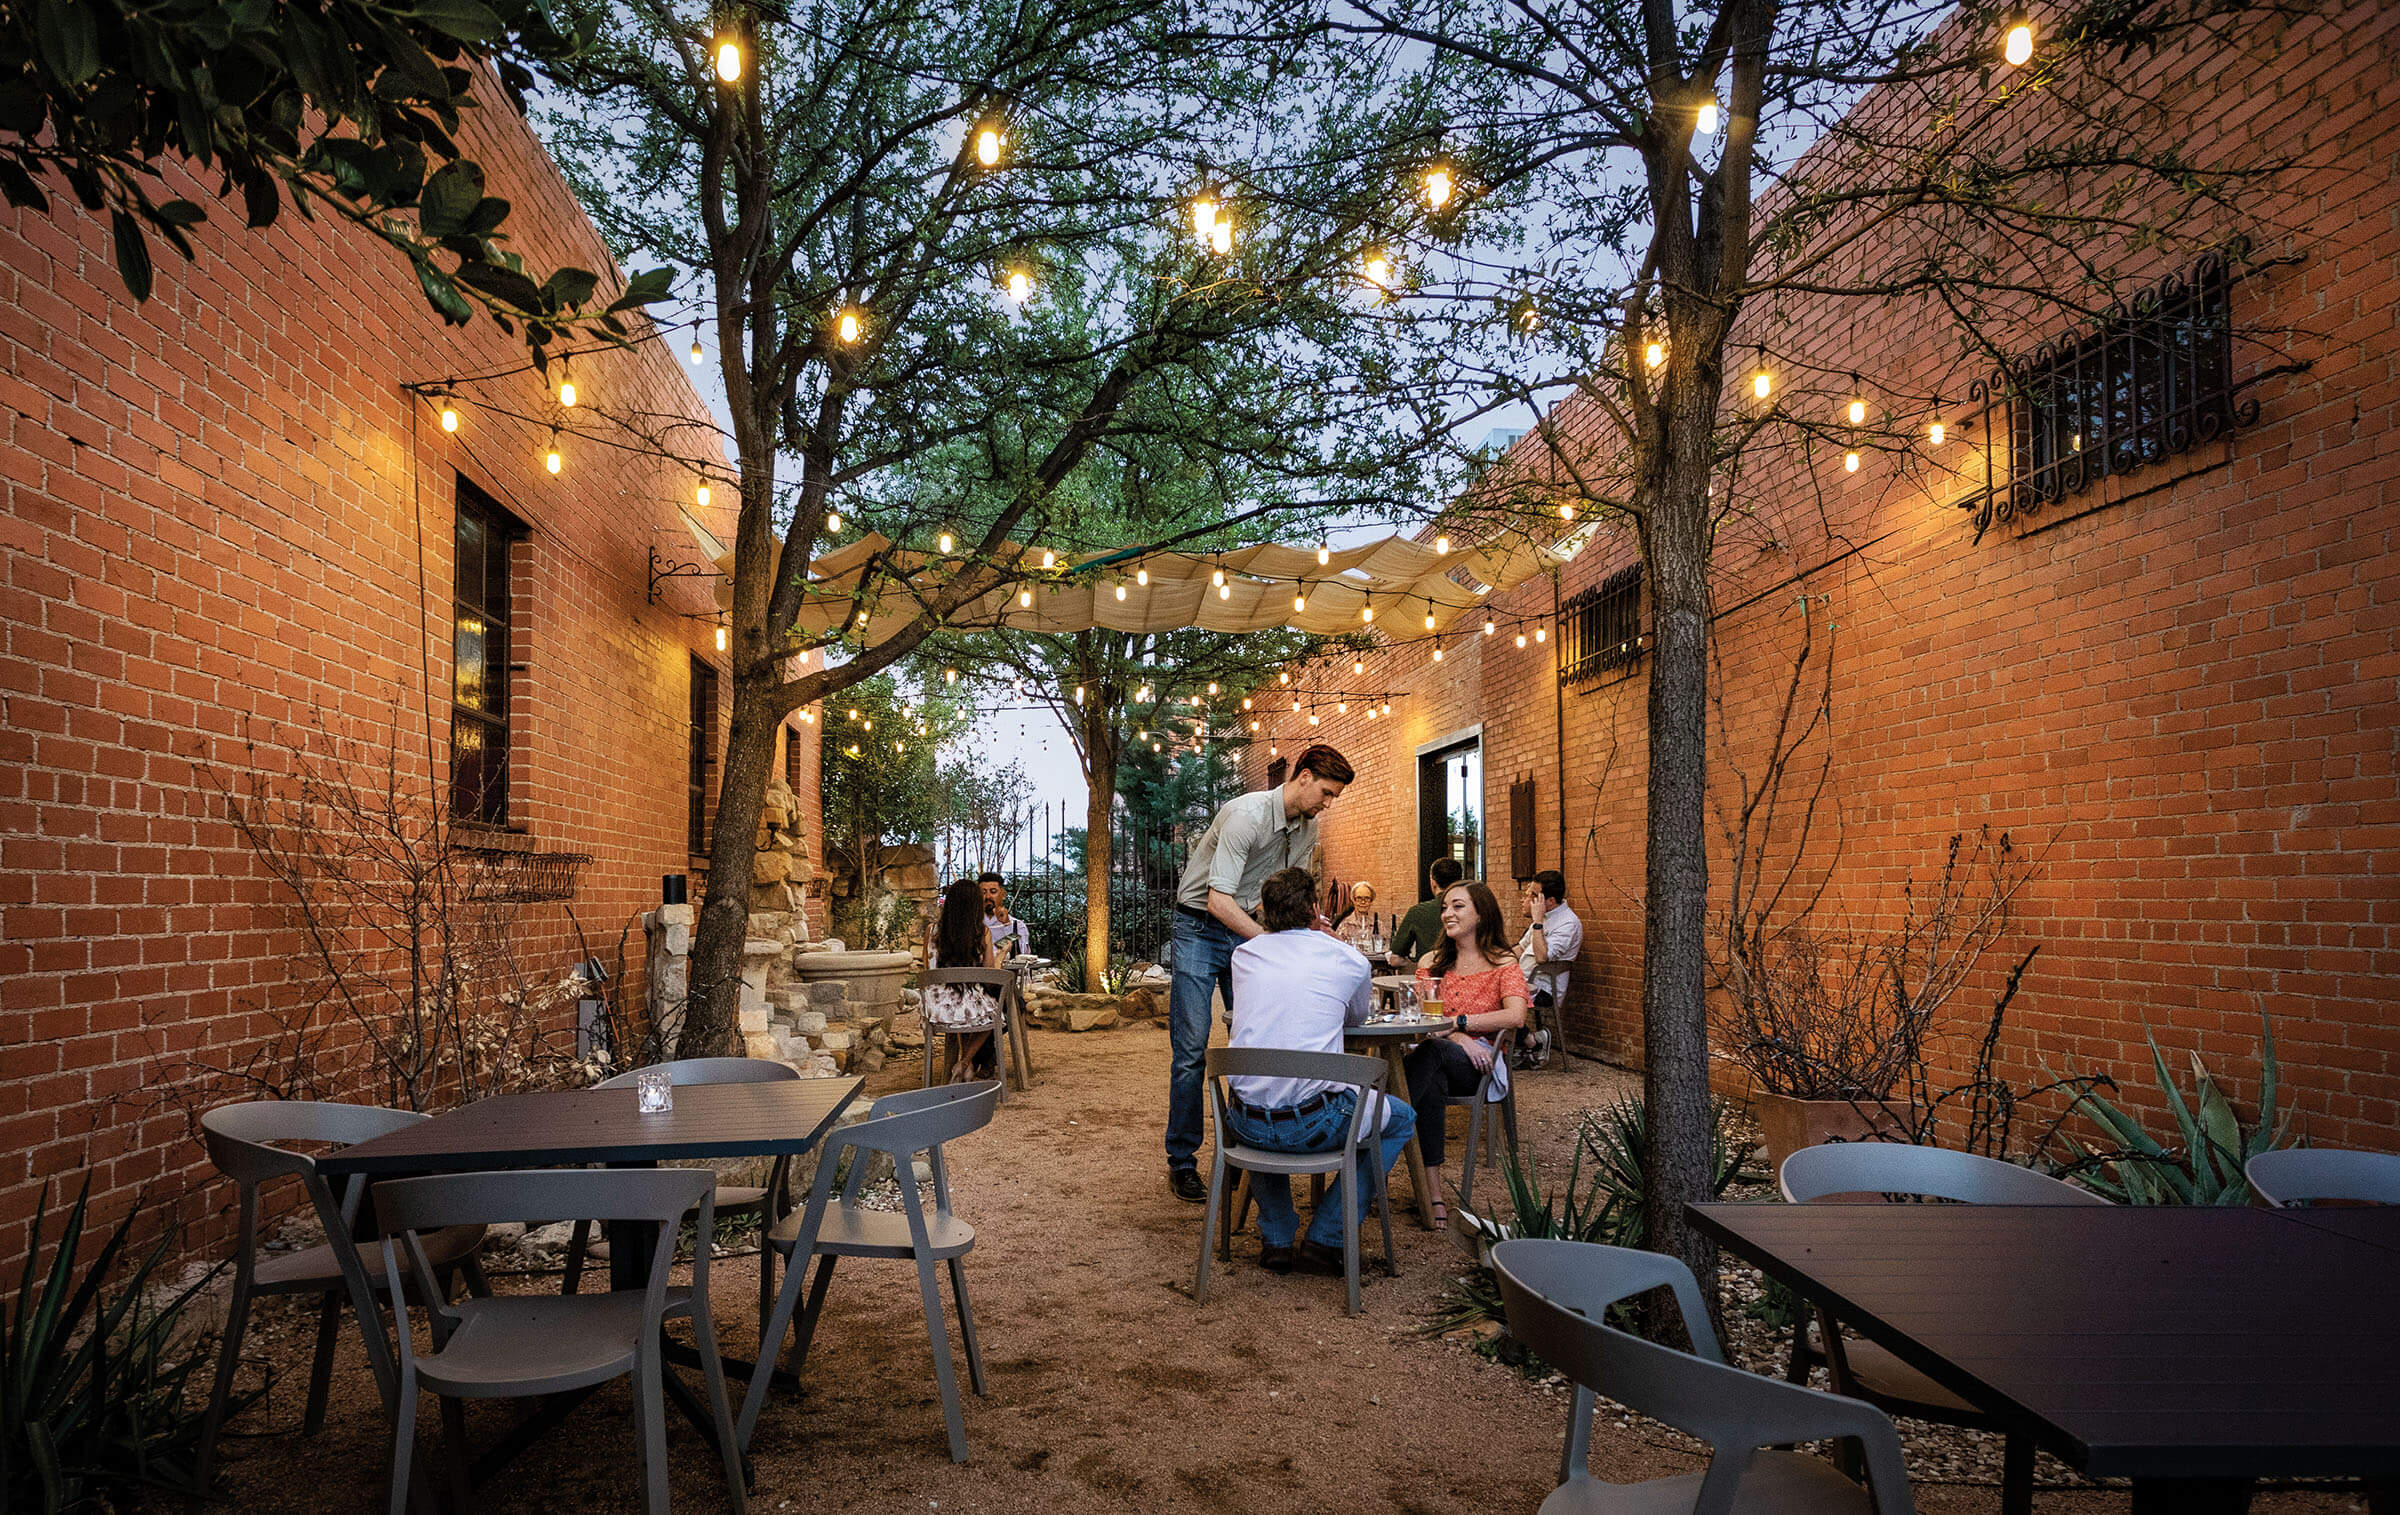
1391	1042
2189	1350
575	1127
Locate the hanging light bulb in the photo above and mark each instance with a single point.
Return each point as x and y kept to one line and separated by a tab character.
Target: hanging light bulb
1220	236
847	327
1273	750
1204	215
1858	412
833	520
1490	626
729	60
697	354
1143	698
1079	694
1655	354
1299	602
1706	125
1312	718
724	638
945	542
1341	707
2017	48
1935	432
1370	712
1358	666
1441	547
1155	747
949	675
1295	705
1141	576
987	146
1284	677
1377	268
1566	512
854	712
1120	591
1762	383
1245	702
1850	462
1324	554
1437	654
1387	707
553	460
1049	558
1024	599
1254	725
1366	613
566	391
1429	616
1224	591
1439	185
449	416
1520	639
700	495
1541	633
1020	285
1218	578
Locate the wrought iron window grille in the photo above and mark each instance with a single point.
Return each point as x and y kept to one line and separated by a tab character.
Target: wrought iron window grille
1601	629
2152	379
513	876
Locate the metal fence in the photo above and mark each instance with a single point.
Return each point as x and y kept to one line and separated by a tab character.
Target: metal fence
1040	853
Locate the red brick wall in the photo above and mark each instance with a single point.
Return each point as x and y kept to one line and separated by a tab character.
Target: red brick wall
223	512
2177	691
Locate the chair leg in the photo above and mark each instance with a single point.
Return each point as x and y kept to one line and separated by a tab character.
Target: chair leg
945	1373
454	1452
1466	1178
798	1357
712	1370
1350	1239
966	1325
229	1354
471	1268
1208	1229
1021	1046
1383	1207
650	1423
2016	1475
770	1339
1508	1114
320	1371
766	1282
404	1440
579	1243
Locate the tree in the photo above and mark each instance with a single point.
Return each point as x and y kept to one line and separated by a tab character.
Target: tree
880	783
859	195
1665	178
351	106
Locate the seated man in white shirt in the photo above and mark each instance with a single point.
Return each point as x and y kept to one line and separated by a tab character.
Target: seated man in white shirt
1553	937
1296	988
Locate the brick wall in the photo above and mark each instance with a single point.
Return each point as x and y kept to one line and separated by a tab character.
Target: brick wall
2177	690
225	517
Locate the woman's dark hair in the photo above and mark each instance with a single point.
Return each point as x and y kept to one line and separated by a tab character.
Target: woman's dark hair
1288	900
1487	930
959	940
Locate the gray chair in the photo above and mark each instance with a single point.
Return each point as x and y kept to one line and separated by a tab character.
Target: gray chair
525	1345
1483	1110
243	1140
2303	1175
1362	1073
899	1126
1869	1372
1557	1294
731	1199
1008	1037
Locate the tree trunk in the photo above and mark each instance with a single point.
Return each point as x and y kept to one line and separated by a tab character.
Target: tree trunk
1099	815
712	1008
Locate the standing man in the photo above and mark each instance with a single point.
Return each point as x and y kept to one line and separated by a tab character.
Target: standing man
1008	934
1420	930
1553	938
1254	835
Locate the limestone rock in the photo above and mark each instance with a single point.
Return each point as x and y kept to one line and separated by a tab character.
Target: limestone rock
809	1023
762	1044
1085	1018
837	1041
755	1020
770	867
827	991
675	915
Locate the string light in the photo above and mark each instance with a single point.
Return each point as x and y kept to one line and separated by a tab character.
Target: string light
1378	269
1566	512
1024	599
1366	613
724	638
1212	689
1387	707
1204	215
1020	285
1762	383
988	143
1220	236
1655	354
1850	462
1541	633
1490	626
1358	665
1935	432
1143	698
833	521
1254	725
944	543
1312	718
1300	602
1295	705
1049	558
1284	677
1858	412
847	327
1324	554
566	390
949	675
1218	578
700	494
553	460
1441	547
2018	48
1437	654
1341	707
1520	639
1707	123
1438	185
449	416
1245	702
1429	615
1141	576
1120	591
729	61
1079	694
697	355
1224	591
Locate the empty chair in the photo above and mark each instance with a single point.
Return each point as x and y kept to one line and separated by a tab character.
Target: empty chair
1362	1073
2304	1175
899	1126
731	1199
1557	1295
1868	1371
524	1345
1484	1111
1008	1035
242	1141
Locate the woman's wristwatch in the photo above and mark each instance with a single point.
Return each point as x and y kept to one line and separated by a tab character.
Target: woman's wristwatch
1460	1024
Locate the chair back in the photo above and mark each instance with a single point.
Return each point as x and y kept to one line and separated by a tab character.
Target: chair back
1556	1294
999	980
1354	1068
906	1124
709	1070
241	1139
1813	1173
2296	1175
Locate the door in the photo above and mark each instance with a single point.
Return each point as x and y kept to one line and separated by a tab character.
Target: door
1450	808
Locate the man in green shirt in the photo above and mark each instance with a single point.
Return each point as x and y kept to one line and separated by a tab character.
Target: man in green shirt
1420	930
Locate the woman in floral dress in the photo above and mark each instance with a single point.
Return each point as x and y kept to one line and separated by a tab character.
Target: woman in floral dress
966	1013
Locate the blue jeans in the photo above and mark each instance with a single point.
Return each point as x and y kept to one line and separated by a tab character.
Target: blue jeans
1203	965
1320	1130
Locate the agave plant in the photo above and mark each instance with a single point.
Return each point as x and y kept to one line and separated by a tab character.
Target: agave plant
92	1381
1619	1140
2204	1165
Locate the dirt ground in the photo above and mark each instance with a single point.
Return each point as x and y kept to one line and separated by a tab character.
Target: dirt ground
1110	1389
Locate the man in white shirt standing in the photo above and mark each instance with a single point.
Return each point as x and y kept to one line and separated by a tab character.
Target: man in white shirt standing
1297	988
1250	837
1553	938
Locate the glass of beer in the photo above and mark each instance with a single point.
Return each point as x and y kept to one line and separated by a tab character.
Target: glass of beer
1429	1004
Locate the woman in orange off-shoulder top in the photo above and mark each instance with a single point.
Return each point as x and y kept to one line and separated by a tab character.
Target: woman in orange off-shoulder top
1483	993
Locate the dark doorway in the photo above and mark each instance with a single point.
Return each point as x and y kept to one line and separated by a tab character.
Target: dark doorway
1450	808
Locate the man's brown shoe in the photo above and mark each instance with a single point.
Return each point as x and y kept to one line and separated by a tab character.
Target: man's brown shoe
1316	1257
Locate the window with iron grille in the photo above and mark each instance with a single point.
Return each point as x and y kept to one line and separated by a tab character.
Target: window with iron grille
479	659
1601	628
2144	385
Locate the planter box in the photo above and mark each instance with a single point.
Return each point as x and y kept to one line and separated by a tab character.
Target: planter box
1787	1124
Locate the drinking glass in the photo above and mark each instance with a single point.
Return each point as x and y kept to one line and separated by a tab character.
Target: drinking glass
654	1091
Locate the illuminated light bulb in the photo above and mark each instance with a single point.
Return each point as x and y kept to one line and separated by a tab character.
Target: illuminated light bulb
2018	48
1245	702
1218	578
700	495
552	460
862	619
1312	718
1284	677
1020	285
1143	698
1141	576
1428	620
1341	707
833	520
899	746
724	638
1850	462
1441	547
729	61
1520	639
1154	747
1024	599
1049	559
1079	694
1438	186
1224	591
1935	432
869	724
1378	269
1358	665
1220	236
1273	750
1295	706
1541	633
848	327
1141	736
854	712
1366	613
945	542
1254	725
449	417
1566	512
1299	603
1387	707
1212	689
1120	591
1762	384
1370	713
1655	354
697	354
1707	124
566	391
1204	216
1490	626
1437	654
949	675
1324	554
1858	412
987	146
854	749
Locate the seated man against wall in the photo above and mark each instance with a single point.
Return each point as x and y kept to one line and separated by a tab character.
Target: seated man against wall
1553	937
1295	988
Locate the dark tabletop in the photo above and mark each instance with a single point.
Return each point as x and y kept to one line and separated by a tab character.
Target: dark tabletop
2134	1341
604	1126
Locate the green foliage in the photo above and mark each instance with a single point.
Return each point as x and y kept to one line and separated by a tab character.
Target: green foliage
1618	1137
352	105
2201	1164
92	1380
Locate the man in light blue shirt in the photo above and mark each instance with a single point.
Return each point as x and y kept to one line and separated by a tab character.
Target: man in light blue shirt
1297	989
1250	837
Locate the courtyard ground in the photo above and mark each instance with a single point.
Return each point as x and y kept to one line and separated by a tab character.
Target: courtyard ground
1110	1389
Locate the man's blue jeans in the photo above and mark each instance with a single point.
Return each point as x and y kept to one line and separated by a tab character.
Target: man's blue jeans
1203	965
1320	1130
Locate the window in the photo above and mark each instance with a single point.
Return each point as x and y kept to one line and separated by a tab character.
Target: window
1601	628
2119	397
479	660
1521	861
1278	771
704	751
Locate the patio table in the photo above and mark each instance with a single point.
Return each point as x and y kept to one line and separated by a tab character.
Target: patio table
575	1127
1391	1041
2189	1350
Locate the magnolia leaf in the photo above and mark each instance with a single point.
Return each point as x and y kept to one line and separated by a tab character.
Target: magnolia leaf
260	199
133	253
450	196
463	19
69	34
645	288
443	295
